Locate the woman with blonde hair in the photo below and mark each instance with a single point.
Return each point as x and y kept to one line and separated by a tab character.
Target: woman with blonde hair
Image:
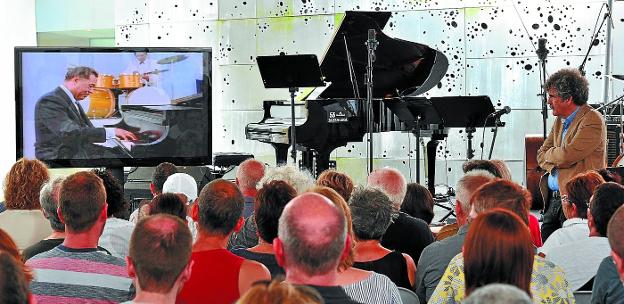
23	220
361	285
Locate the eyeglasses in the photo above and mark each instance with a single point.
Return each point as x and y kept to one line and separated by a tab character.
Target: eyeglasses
566	199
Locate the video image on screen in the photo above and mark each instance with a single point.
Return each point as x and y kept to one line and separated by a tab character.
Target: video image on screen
101	107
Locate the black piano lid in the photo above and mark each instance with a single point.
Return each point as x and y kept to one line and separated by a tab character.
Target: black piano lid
409	67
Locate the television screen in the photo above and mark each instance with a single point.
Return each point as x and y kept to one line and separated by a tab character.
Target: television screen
94	107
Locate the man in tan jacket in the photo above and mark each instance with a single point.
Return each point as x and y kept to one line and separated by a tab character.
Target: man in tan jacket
576	143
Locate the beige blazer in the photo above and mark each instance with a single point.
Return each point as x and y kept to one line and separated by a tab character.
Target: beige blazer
583	148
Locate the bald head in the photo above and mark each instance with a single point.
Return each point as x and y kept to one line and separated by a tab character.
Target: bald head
220	207
249	173
313	232
391	182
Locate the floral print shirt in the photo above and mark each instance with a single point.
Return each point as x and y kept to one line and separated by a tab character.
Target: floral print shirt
548	283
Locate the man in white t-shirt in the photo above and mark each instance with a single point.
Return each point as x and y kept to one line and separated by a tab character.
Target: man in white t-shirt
148	68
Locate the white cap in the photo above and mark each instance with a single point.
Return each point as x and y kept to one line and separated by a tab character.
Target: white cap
181	183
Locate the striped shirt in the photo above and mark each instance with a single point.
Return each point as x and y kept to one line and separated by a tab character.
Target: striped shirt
66	275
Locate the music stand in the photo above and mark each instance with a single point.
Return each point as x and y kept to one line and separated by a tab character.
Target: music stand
468	112
416	115
292	72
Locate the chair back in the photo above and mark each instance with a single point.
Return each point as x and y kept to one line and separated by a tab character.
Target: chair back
409	297
583	297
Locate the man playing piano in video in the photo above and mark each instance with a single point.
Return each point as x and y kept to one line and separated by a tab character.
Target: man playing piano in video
62	128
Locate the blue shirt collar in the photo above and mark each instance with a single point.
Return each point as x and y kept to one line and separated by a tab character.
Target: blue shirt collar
568	120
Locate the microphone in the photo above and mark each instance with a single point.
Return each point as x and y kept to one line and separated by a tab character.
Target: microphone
371	43
542	51
501	112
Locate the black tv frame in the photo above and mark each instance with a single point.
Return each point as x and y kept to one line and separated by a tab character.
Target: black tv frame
118	162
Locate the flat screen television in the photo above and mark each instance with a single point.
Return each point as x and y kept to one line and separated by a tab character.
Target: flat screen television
146	106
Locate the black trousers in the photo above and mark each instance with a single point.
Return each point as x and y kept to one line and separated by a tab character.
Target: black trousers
553	217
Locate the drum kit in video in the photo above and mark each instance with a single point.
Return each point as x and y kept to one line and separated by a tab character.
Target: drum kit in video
110	91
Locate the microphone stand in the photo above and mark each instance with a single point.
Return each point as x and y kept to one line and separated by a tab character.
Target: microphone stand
496	123
591	44
542	53
371	45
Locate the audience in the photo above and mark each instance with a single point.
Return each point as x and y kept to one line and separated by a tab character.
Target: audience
219	276
312	240
116	235
498	294
406	233
248	237
580	258
610	275
48	197
276	292
159	258
372	213
23	219
13	282
169	203
548	281
268	206
418	202
338	181
437	256
160	175
73	271
249	173
363	286
575	204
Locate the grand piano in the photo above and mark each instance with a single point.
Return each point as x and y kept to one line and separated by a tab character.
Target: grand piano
402	70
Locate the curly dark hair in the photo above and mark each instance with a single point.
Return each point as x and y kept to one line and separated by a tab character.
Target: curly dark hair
117	205
569	83
23	183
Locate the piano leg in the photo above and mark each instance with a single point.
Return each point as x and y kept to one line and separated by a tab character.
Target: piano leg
432	146
281	153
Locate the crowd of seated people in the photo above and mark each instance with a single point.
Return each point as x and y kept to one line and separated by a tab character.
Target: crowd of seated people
277	235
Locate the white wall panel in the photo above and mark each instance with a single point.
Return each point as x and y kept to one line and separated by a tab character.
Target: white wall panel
295	35
131	12
195	34
236	41
132	35
182	10
510	31
237	9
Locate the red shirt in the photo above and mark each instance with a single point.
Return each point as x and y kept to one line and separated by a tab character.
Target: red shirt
214	278
536	235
